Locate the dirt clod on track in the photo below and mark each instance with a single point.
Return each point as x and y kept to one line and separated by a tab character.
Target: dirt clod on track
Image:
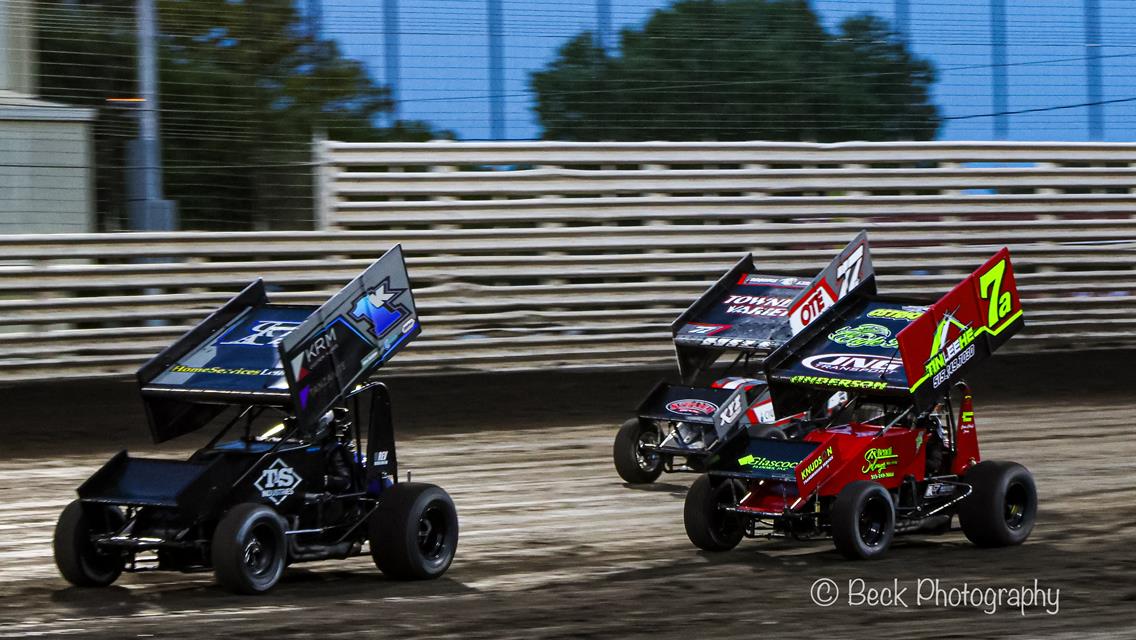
553	545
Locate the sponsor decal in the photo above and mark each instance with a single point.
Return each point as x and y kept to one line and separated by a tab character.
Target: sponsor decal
811	469
852	363
878	462
966	422
692	407
842	383
751	279
732	411
937	489
315	352
376	308
906	313
278	481
266	333
757	305
181	368
918	441
811	305
704	329
864	335
381	458
952	366
948	357
765	464
763	412
735	343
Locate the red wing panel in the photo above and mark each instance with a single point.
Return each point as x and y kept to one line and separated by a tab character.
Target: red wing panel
963	328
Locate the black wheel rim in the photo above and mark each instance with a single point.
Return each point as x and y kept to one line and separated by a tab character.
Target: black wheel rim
1017	502
433	528
873	521
647	460
260	551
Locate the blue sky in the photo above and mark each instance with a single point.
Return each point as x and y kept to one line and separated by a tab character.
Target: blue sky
444	58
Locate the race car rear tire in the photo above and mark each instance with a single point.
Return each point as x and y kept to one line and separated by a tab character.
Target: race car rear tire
862	520
1003	506
707	525
249	550
414	532
631	464
771	431
79	561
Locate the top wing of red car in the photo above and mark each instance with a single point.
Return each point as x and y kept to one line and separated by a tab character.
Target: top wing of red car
893	347
962	329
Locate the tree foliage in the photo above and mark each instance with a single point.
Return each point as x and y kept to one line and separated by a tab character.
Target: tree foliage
739	70
244	89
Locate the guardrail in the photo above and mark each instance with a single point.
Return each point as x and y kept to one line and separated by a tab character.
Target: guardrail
518	267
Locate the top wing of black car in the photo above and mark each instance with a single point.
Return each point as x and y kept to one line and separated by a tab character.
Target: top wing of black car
251	351
350	336
891	347
745	311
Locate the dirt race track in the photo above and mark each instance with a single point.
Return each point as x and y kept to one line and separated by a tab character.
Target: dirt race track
553	545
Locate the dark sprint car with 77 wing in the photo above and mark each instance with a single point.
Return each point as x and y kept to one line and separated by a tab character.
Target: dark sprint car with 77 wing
682	427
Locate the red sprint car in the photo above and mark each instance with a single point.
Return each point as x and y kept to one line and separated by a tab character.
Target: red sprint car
901	454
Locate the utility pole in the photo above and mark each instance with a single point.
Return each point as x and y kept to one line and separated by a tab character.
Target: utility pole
150	212
603	24
998	68
1093	69
496	71
315	18
903	19
391	54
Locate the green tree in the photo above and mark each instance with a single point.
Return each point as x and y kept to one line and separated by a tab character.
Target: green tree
244	89
739	70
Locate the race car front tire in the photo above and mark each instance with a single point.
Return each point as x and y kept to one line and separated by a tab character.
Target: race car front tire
634	466
414	532
249	550
708	526
1002	508
79	561
862	520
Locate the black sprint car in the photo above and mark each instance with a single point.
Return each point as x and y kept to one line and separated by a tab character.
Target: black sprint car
284	480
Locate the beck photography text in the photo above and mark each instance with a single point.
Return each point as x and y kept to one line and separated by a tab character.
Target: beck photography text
938	594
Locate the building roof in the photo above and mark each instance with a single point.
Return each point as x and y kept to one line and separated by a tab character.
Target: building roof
17	106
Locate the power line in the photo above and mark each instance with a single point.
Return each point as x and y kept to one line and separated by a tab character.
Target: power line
1015	112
